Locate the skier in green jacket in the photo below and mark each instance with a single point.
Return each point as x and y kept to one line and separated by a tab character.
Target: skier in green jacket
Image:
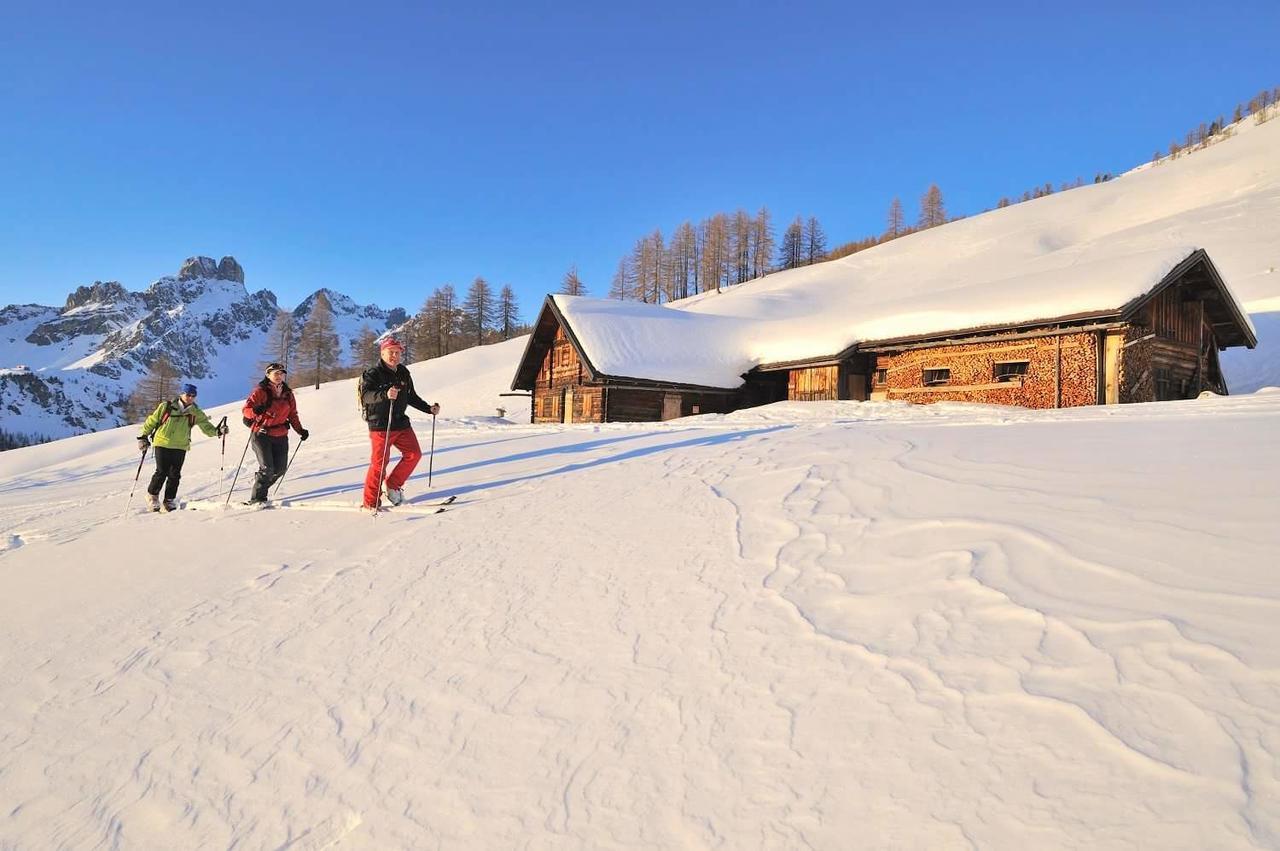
170	424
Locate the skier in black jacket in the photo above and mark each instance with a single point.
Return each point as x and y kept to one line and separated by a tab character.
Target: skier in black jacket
387	392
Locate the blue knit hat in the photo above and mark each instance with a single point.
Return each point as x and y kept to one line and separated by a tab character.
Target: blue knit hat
188	390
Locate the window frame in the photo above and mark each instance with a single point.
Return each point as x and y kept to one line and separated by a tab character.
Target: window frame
1009	377
936	382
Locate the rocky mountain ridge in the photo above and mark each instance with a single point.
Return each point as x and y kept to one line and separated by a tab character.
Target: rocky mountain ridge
69	370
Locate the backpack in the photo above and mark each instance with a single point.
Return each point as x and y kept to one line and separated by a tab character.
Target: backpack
363	408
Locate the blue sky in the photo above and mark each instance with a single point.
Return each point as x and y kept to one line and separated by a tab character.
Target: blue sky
384	149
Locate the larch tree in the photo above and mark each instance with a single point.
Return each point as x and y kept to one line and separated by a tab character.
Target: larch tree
791	251
572	283
444	318
364	350
622	287
761	243
479	311
684	261
281	340
895	222
740	246
318	346
715	251
932	210
815	241
508	313
160	383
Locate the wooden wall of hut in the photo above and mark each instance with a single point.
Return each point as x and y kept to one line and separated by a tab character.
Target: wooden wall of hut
1055	371
814	383
560	387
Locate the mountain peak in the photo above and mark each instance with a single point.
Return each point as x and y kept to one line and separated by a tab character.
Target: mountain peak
226	269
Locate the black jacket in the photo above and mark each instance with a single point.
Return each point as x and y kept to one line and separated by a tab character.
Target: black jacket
375	383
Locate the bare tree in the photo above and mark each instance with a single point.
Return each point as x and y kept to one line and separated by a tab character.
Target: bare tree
160	383
896	222
508	313
761	243
317	352
932	211
815	241
684	261
572	284
281	340
364	350
622	286
791	252
715	252
479	311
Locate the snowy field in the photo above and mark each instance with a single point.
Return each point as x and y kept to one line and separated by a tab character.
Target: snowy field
826	625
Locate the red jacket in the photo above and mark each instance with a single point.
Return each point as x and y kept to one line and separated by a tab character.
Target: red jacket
281	412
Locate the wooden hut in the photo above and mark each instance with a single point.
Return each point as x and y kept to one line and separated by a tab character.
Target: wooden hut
1161	344
567	388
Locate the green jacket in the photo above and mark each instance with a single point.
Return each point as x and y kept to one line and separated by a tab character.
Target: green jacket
171	425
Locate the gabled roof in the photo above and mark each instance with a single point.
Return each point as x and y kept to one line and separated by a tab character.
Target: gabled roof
637	344
673	346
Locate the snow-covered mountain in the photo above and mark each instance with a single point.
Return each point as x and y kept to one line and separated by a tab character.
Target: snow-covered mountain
68	370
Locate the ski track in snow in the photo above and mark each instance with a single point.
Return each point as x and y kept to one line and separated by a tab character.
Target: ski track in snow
809	627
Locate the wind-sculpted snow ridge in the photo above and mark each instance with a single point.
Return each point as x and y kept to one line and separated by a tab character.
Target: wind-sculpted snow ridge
826	625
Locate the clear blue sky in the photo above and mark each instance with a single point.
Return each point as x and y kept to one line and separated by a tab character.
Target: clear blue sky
384	149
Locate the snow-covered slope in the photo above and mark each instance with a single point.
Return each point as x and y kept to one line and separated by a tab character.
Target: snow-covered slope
70	370
806	625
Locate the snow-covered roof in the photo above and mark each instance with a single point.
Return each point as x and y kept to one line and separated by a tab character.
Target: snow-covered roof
1088	251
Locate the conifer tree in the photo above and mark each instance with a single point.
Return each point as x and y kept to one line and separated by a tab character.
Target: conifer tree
318	347
896	222
281	340
508	313
715	252
443	318
791	251
479	311
815	241
160	383
364	349
572	284
932	211
761	243
623	285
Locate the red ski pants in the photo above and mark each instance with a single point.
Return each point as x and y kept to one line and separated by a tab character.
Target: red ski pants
410	454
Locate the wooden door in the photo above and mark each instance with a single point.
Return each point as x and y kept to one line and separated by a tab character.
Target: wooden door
1111	367
671	406
567	406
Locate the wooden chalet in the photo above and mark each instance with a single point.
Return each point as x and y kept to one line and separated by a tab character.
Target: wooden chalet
1162	344
567	388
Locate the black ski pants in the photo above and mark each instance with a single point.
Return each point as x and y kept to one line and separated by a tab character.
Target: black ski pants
273	458
168	472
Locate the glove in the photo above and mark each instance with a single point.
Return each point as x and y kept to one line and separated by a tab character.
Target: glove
303	434
247	421
143	442
261	408
435	408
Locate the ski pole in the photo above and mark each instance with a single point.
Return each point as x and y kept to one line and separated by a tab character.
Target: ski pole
222	466
432	456
286	467
386	447
241	464
136	476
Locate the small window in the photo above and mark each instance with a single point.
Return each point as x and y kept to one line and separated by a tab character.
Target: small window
934	377
1010	370
882	375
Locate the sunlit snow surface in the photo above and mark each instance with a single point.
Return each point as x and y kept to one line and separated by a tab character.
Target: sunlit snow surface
825	625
